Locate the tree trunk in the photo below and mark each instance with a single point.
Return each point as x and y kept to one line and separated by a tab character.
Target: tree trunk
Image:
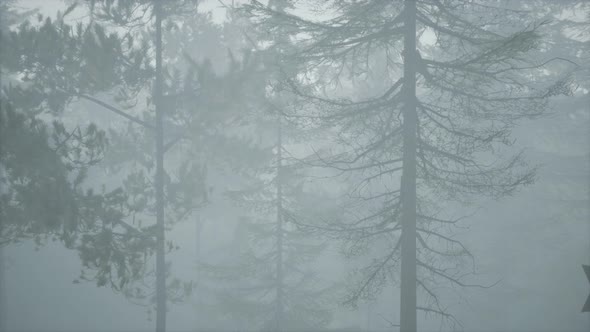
408	321
280	305
3	306
196	295
159	180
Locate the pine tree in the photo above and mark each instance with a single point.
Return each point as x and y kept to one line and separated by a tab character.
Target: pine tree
459	77
62	63
267	276
44	164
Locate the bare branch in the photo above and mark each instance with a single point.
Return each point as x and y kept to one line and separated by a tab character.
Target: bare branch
117	111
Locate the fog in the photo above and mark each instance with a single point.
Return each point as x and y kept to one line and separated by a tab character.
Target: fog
294	165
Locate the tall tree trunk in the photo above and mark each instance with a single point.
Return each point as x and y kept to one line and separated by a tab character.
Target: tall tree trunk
196	295
2	287
408	319
280	290
159	180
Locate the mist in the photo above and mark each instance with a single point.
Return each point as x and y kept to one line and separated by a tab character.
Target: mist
294	165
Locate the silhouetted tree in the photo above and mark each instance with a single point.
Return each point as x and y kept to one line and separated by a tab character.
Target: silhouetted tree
459	76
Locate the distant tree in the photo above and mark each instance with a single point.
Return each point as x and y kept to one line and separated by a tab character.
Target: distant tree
458	78
267	282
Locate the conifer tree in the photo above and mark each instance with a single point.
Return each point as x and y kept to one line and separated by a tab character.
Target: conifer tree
269	281
62	63
452	80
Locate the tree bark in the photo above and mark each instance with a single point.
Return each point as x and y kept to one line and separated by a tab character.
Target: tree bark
408	321
159	179
280	290
196	295
2	287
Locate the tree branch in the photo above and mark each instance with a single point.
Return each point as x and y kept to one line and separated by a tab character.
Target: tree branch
117	111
